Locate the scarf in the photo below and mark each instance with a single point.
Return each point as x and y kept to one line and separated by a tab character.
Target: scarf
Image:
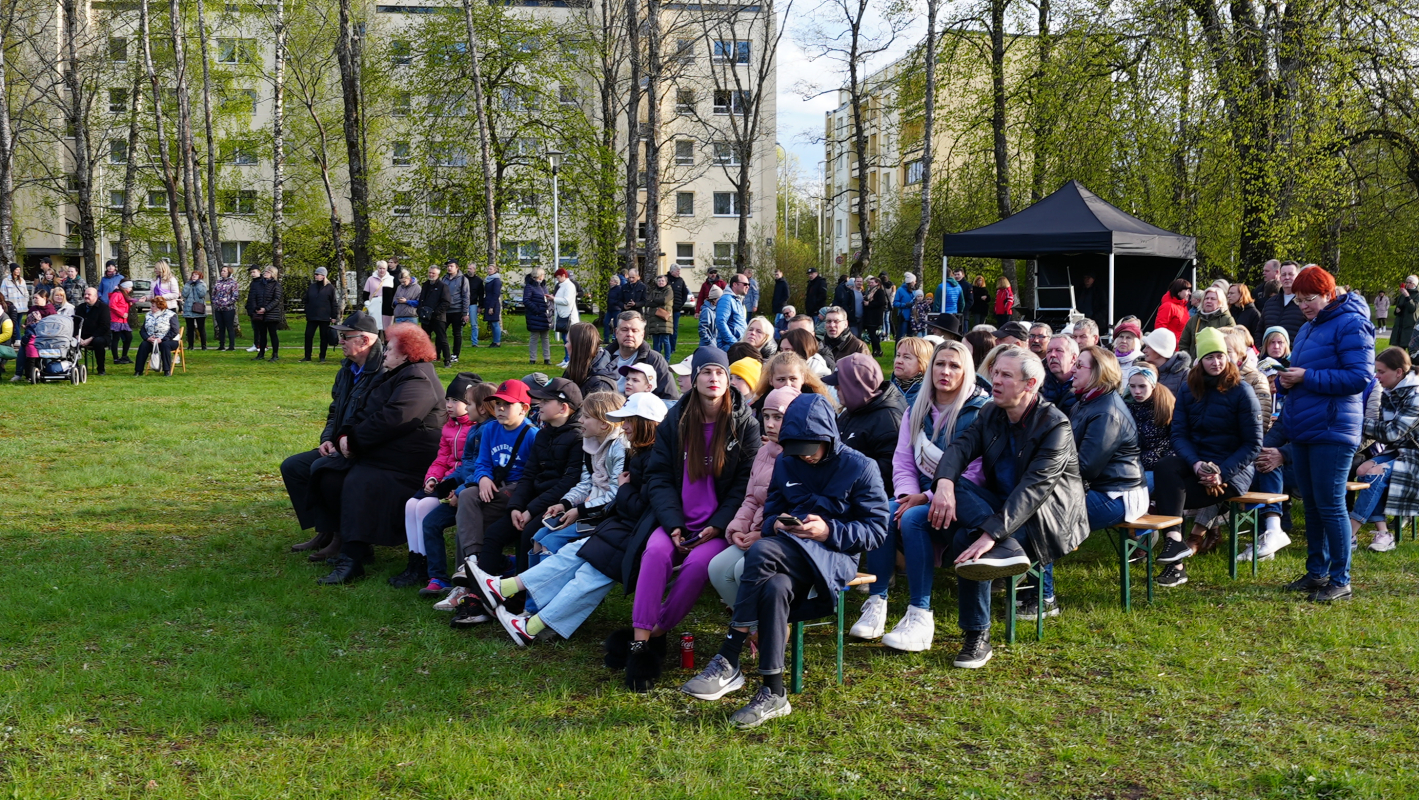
907	385
597	449
1086	396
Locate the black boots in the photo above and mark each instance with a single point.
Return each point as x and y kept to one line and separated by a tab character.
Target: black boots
644	663
618	647
347	570
415	574
316	542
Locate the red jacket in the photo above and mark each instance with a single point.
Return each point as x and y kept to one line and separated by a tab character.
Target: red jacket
1172	314
1005	301
118	304
451	440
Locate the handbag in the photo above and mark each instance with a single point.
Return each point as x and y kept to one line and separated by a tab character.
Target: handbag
662	313
7	352
564	324
199	308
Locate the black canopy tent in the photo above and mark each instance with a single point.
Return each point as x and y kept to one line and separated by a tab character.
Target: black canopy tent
1073	232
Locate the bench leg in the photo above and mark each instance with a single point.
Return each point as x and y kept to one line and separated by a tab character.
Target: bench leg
1254	517
1232	557
1125	551
1011	583
796	680
842	609
1039	604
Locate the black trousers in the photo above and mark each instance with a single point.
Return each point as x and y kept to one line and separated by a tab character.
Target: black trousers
295	473
498	534
777	574
437	330
328	491
455	329
99	347
874	337
312	326
1176	488
196	328
145	349
120	336
224	326
268	332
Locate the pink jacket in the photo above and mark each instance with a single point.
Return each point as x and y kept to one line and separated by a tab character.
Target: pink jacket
451	440
905	475
751	513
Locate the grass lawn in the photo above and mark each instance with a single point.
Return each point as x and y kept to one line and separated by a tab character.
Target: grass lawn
157	640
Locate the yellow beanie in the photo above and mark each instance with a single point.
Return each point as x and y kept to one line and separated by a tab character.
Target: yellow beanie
1210	340
747	369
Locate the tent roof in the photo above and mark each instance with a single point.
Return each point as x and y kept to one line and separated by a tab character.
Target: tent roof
1072	220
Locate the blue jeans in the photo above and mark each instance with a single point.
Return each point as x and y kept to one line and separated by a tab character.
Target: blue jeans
675	332
1148	479
473	327
552	540
565	589
1370	503
1321	470
497	333
914	539
662	345
1104	512
1277	481
435	523
974	506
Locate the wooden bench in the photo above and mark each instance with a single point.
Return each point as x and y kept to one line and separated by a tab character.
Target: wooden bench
795	651
1240	514
1126	541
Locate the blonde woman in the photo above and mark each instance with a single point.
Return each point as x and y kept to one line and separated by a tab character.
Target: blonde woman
760	334
1212	314
165	285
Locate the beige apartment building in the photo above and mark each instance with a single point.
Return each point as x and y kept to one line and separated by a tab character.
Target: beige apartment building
698	210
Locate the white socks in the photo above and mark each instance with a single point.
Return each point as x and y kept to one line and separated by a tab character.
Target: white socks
1272	522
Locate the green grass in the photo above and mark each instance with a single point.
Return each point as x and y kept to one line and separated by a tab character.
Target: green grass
157	640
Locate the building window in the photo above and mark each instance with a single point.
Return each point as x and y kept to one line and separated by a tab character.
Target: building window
403	204
521	253
118	49
726	154
236	51
118	151
726	204
724	254
685	254
116	199
449	155
684	152
445	204
840	229
162	250
400	53
157	199
233	253
724	51
684	101
685	50
567	95
402	156
727	101
914	172
242	157
449	105
685	204
242	202
403	104
117	101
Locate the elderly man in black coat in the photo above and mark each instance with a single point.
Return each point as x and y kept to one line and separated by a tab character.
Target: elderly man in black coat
359	341
94	326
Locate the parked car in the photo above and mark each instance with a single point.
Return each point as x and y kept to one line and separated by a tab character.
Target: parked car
140	294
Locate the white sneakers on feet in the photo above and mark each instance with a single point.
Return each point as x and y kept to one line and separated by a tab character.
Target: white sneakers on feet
1382	543
1271	541
873	620
914	633
450	600
251	349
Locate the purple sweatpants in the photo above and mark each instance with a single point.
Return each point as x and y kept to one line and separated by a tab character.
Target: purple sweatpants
657	563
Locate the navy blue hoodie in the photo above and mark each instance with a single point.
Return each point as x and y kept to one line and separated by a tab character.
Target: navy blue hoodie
845	489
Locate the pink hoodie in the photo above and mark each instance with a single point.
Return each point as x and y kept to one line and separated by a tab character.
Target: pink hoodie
751	513
451	440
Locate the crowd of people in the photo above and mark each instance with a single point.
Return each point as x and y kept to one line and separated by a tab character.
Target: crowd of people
778	460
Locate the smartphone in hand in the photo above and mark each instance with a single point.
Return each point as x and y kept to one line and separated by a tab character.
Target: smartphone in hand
554	523
790	521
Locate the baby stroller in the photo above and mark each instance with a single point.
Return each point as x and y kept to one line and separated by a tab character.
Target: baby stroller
58	355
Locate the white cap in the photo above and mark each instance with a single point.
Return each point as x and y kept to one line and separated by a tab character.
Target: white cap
1162	341
641	404
683	368
643	368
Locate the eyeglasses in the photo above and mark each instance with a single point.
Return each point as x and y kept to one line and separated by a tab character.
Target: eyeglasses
1308	298
1039	336
348	337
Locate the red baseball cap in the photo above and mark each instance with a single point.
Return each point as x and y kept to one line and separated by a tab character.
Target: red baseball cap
513	391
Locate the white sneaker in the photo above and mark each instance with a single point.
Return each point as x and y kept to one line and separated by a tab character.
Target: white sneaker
1382	543
251	349
563	365
1245	555
914	633
873	620
1271	541
450	600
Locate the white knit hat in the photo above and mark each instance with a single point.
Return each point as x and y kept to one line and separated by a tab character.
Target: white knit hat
908	278
1162	341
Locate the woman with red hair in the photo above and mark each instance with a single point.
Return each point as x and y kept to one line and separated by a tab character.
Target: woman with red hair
383	452
1322	415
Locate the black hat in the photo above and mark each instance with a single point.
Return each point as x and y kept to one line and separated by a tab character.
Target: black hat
558	389
800	447
947	325
358	321
1015	329
458	387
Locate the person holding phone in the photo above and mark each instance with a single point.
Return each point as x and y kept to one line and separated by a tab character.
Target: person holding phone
825	506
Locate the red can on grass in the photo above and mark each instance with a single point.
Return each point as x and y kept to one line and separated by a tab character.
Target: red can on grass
687	651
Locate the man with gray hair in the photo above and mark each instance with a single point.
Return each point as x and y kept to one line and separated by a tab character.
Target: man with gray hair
1085	333
631	348
1040	334
1030	507
1269	272
1061	355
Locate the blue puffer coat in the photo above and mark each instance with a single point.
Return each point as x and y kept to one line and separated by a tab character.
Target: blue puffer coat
536	305
1221	427
1337	351
845	489
949	297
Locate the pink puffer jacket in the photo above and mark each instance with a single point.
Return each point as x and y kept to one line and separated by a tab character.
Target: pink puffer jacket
451	440
751	513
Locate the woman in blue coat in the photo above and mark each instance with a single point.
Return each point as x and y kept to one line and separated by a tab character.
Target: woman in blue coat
1332	362
537	310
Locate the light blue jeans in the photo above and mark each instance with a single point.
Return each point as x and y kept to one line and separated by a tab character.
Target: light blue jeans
1370	503
552	540
566	589
913	536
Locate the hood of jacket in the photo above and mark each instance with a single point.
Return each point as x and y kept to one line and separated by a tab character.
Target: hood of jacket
1180	362
1350	303
811	418
1168	299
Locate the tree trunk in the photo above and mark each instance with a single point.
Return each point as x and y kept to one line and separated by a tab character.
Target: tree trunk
169	180
191	188
78	119
347	50
7	156
652	142
923	225
633	132
997	122
485	147
130	181
861	264
278	143
214	234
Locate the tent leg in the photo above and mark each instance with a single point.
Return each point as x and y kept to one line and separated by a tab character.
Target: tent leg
1111	291
944	273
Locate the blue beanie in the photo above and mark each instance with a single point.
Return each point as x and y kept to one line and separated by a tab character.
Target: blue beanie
706	356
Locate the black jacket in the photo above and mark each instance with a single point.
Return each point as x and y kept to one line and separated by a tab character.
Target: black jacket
553	468
320	305
666	387
874	309
266	293
1047	501
347	395
816	297
1250	318
606	548
475	292
633	297
872	429
682	292
1288	315
980	300
433	301
1107	442
600	377
780	298
1221	427
399	420
844	298
96	320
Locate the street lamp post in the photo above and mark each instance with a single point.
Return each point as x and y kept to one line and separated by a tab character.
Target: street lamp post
554	158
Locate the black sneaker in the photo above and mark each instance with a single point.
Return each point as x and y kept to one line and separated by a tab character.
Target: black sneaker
765	706
1174	575
1330	593
1029	609
1307	583
975	650
1173	551
470	611
1006	559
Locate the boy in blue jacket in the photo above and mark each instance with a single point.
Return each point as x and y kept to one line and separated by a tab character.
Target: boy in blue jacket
838	507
